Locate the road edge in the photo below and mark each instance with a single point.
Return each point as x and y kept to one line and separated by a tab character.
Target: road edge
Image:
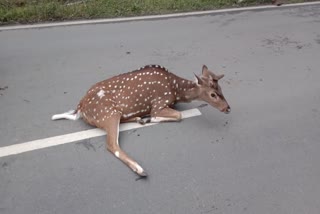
153	17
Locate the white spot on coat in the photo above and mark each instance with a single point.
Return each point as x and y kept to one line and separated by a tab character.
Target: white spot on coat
117	154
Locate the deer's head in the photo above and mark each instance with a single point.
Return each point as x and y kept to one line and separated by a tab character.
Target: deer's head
210	91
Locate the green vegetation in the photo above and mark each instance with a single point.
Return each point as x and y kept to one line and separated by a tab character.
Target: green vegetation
31	11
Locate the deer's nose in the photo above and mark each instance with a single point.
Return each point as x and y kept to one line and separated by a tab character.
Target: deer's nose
228	110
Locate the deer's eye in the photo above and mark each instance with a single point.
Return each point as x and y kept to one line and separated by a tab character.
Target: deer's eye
213	95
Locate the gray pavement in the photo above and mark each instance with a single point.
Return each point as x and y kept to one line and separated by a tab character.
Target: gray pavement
262	158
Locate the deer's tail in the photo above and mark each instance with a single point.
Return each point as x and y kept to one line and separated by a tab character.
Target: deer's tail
69	115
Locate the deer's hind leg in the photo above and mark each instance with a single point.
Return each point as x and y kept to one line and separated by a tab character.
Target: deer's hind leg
165	115
112	128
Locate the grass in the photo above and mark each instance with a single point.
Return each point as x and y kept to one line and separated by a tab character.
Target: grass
34	11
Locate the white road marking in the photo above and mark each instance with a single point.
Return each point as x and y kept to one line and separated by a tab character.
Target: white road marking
153	17
76	136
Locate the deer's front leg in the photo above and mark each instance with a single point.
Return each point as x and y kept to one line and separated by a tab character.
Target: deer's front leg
165	115
112	129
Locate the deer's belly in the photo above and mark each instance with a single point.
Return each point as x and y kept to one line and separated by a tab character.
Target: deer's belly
132	113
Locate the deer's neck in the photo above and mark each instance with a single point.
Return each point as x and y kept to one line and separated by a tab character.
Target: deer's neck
185	90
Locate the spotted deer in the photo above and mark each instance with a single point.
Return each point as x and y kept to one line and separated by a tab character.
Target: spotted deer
149	91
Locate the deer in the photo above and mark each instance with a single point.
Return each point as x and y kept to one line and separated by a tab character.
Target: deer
145	95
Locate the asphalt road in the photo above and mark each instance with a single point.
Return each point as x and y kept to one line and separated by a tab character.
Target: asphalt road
261	158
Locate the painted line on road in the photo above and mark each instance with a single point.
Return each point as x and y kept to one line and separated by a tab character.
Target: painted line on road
76	136
153	17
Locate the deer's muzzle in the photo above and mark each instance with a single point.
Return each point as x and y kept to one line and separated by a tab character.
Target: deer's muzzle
227	110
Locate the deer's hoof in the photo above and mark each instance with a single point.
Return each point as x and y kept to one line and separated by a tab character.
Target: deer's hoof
143	174
144	121
141	121
139	170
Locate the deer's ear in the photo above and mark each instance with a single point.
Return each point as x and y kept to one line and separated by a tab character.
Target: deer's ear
210	75
198	80
205	71
217	77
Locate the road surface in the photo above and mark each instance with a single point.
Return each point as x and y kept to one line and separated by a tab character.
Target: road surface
261	158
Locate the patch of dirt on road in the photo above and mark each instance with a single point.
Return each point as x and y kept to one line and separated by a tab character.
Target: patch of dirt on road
279	43
87	144
3	89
